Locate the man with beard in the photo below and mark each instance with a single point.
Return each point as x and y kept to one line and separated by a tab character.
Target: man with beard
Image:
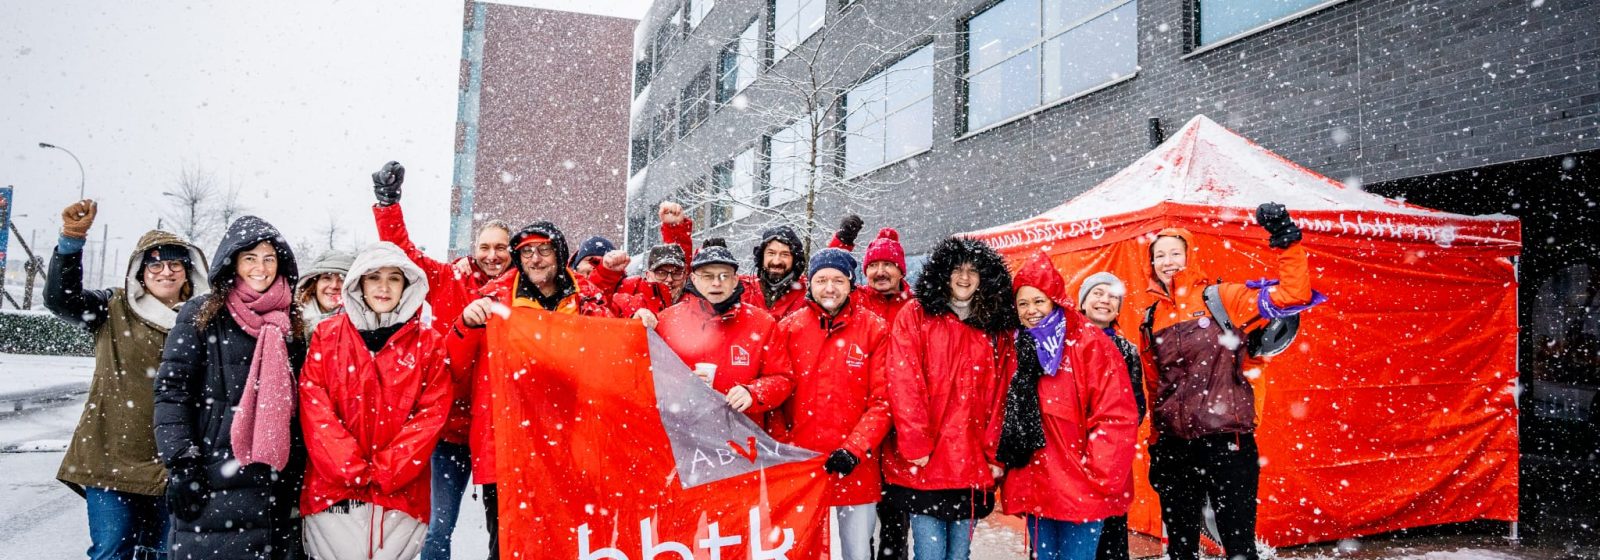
777	287
540	281
450	289
886	290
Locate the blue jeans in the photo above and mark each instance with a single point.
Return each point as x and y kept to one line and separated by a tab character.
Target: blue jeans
936	539
1063	540
452	473
124	525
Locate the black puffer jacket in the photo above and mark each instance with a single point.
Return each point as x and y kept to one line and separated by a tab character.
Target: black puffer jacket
203	370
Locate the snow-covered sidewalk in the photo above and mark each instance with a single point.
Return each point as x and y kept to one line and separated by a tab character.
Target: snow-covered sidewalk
26	378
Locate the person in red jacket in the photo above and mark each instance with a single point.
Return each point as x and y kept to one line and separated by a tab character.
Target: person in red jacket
374	395
644	297
540	281
777	287
723	339
950	358
1070	420
1202	407
450	289
833	353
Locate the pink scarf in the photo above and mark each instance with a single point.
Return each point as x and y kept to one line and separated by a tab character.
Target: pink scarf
260	428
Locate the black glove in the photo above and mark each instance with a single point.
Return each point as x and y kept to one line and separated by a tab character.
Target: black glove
188	490
1275	219
841	462
849	228
386	183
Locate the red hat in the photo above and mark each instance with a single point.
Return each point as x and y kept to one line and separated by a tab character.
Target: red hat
1042	275
886	248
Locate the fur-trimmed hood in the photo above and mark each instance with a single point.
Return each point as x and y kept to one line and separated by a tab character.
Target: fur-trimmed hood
992	304
412	299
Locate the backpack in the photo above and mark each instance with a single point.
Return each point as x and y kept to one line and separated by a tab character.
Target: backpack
1266	341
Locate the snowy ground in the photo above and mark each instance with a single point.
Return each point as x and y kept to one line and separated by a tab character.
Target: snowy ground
41	518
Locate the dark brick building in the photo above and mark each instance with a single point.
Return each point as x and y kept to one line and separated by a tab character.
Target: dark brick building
1472	106
541	132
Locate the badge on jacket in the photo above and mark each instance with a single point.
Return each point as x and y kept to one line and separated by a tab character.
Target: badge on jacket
739	356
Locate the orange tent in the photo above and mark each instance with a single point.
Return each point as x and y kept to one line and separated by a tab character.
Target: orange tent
1396	407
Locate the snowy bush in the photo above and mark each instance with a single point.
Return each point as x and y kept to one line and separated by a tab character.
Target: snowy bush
25	332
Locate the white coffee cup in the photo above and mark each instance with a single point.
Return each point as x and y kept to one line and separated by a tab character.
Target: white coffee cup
706	371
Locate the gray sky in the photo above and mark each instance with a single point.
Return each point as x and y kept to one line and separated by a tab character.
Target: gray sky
296	102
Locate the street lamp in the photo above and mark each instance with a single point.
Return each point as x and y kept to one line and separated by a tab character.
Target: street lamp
74	159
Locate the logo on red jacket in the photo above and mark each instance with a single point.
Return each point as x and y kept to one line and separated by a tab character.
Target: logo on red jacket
738	356
856	357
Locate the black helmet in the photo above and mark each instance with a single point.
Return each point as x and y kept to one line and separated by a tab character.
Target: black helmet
1273	338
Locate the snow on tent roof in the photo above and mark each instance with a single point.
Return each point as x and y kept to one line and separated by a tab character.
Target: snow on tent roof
1205	164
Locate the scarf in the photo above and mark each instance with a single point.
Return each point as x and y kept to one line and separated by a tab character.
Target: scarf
1048	336
260	429
962	309
1022	431
772	289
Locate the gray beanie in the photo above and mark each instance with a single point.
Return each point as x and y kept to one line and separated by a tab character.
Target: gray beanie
1097	279
335	262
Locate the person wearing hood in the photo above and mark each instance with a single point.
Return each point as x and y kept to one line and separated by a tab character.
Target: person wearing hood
831	357
1070	421
541	281
950	358
1203	408
317	293
1100	299
725	340
778	285
111	460
225	404
589	255
374	395
450	289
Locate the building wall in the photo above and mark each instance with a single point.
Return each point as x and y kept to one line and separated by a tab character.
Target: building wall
544	118
1363	90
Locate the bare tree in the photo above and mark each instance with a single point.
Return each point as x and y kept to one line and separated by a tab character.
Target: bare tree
193	198
229	207
331	232
801	102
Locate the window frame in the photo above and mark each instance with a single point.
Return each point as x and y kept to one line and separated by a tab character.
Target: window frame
847	108
1191	26
1046	35
721	96
780	52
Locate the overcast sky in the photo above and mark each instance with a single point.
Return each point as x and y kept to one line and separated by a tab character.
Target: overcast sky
295	102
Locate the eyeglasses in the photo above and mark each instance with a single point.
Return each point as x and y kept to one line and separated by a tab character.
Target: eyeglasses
541	250
716	277
674	274
155	267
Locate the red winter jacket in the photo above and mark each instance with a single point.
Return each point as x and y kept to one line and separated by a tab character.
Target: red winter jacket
1090	422
448	294
681	235
467	357
629	295
736	341
947	385
837	394
885	307
790	302
371	420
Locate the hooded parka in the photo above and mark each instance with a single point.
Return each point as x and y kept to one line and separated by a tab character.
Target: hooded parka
251	510
114	445
1083	472
372	418
783	299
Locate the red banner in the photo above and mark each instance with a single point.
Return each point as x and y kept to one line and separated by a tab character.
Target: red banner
609	448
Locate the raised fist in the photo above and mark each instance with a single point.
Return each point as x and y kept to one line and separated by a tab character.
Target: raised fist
1274	218
78	218
386	183
670	213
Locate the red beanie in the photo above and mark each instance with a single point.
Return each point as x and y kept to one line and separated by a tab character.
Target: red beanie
887	248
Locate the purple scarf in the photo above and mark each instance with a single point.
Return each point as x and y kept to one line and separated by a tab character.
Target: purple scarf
1269	310
1048	336
260	427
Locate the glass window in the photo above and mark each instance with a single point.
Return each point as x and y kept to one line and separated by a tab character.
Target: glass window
718	204
663	128
695	103
789	163
639	155
742	186
1216	20
642	71
1023	54
890	115
698	10
738	63
793	22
